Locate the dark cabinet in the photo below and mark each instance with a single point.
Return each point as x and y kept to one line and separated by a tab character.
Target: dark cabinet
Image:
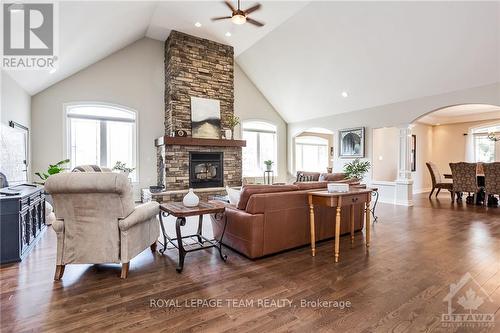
22	221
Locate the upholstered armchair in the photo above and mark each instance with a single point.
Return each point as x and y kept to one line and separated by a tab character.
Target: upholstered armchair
491	179
464	178
97	221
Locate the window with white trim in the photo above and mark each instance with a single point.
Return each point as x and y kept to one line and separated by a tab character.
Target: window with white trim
485	149
101	134
311	153
261	146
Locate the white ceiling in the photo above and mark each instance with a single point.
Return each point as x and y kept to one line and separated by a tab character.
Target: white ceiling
461	114
91	30
379	52
88	32
181	16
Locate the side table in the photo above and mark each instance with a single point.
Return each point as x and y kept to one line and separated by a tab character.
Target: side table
178	210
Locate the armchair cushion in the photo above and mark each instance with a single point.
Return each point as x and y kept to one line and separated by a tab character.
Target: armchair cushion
142	213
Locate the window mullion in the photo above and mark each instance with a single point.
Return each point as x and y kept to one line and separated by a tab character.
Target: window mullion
103	144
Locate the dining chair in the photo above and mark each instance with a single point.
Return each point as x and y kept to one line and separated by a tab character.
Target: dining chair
438	181
464	178
491	179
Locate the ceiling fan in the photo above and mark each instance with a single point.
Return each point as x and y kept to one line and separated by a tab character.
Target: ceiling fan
239	16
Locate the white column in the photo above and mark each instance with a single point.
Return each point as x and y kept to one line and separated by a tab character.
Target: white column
404	183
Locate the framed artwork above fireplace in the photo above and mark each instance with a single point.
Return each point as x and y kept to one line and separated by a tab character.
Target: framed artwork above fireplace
205	118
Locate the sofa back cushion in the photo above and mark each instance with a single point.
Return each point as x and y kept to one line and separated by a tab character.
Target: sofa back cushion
332	177
311	185
248	190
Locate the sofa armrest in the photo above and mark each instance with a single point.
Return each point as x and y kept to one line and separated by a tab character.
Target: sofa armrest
140	214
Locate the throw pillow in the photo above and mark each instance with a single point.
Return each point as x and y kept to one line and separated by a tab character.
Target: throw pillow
234	195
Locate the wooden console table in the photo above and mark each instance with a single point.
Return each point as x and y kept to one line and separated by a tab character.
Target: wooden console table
339	200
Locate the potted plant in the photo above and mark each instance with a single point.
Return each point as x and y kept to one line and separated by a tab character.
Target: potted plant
122	167
52	170
269	165
232	122
356	169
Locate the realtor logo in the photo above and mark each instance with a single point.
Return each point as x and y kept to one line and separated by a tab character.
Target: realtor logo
468	305
29	36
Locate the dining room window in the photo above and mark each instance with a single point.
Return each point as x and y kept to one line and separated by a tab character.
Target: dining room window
485	149
261	145
311	153
101	134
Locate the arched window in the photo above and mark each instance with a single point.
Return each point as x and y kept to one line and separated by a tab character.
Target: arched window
311	153
261	146
101	134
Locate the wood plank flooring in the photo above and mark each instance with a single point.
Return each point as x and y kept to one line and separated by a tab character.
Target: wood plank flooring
399	286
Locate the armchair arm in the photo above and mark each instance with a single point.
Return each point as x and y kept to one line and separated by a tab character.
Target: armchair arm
58	225
140	214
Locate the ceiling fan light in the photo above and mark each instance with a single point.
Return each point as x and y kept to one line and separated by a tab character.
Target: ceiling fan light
238	19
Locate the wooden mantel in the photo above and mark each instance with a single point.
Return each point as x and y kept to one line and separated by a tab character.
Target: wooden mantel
189	141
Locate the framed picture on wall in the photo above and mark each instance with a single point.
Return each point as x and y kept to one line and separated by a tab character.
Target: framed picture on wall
413	155
352	142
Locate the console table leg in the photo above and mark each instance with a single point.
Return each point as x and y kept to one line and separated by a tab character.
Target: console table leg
337	234
182	253
163	233
352	223
367	224
313	236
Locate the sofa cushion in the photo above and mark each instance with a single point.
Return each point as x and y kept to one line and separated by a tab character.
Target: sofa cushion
304	176
248	190
311	185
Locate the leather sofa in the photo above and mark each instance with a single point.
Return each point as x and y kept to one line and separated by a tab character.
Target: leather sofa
274	218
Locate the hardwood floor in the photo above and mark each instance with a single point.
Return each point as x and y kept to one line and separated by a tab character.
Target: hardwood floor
415	254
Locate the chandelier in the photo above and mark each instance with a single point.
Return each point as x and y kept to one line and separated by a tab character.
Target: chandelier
493	136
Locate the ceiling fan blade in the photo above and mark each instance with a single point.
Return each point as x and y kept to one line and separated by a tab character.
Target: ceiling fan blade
230	6
252	9
257	23
220	18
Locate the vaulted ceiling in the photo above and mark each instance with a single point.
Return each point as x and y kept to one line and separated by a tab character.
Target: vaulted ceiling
308	53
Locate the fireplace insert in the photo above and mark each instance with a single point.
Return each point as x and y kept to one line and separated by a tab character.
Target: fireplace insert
206	170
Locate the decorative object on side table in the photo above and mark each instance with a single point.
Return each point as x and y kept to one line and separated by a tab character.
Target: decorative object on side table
356	169
269	165
190	199
232	122
122	167
352	142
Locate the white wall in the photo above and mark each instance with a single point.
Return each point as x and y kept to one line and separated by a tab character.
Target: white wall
132	77
250	104
15	105
385	154
425	147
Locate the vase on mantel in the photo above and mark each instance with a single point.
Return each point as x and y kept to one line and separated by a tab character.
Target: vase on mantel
190	199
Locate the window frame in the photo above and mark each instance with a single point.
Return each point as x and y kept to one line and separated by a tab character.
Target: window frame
301	146
275	132
479	132
67	128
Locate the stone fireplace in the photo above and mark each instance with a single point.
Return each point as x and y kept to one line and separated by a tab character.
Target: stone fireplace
196	67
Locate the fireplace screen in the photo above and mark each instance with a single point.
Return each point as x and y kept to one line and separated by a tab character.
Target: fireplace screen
205	170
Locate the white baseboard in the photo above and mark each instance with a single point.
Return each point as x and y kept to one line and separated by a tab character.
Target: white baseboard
422	190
